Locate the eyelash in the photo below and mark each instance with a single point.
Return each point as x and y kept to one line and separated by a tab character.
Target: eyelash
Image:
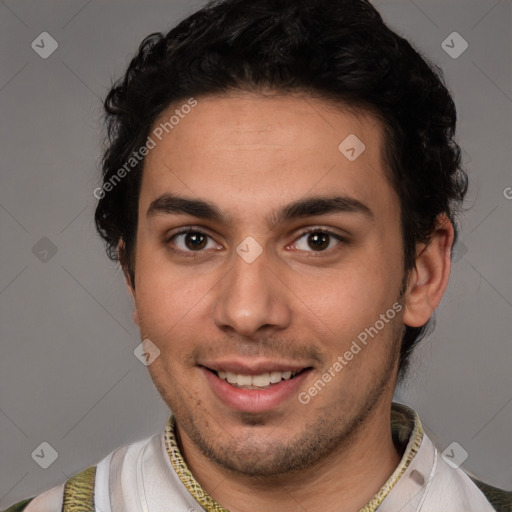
195	254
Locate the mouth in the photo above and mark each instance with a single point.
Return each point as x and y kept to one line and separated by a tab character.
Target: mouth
260	381
255	389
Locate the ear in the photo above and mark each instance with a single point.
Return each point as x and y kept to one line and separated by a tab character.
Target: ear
428	279
121	255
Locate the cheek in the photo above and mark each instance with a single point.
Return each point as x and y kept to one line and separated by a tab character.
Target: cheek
169	298
164	305
363	284
354	296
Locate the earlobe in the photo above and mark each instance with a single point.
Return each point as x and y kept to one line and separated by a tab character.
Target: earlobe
135	316
428	279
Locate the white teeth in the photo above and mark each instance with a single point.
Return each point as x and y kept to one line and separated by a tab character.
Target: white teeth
263	380
230	377
275	377
243	380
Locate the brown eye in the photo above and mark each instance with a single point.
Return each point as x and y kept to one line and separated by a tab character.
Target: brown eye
190	241
318	241
195	241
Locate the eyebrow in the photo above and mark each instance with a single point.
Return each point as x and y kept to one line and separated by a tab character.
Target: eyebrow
307	207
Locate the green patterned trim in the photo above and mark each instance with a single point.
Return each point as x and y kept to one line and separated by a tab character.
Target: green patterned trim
18	507
79	492
181	468
405	427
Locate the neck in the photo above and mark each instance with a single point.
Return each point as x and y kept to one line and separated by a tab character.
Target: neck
343	482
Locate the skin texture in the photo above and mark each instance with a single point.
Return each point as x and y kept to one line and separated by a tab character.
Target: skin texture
250	155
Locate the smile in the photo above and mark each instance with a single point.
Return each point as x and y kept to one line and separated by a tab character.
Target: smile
260	381
255	390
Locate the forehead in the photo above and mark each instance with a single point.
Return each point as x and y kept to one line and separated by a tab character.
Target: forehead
254	150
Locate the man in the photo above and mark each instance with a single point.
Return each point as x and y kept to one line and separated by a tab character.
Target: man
280	188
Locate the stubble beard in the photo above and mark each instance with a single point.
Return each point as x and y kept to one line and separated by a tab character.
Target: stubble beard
252	456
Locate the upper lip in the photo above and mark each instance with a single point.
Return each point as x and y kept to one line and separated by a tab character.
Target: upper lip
253	367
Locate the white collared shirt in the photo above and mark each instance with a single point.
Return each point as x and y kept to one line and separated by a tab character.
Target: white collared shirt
151	476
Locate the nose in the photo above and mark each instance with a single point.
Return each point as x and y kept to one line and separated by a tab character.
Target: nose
251	297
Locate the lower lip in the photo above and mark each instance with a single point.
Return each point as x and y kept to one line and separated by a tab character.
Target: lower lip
254	400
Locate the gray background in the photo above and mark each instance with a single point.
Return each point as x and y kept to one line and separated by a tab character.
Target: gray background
68	375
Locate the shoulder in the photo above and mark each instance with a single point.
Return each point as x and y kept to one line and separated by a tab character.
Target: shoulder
48	501
501	500
76	494
18	507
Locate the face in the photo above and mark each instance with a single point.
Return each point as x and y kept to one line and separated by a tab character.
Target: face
293	253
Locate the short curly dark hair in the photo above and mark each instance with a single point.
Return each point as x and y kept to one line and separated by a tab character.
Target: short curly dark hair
340	50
